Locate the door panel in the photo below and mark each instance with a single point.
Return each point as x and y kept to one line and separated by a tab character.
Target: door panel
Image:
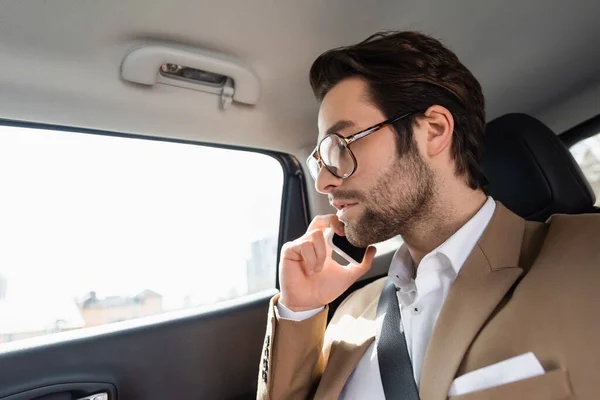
210	356
78	390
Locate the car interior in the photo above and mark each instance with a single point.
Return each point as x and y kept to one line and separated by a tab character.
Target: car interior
218	90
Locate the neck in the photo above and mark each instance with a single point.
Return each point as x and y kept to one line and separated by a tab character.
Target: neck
446	216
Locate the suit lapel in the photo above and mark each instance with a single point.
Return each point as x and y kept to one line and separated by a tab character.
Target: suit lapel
343	360
483	281
351	339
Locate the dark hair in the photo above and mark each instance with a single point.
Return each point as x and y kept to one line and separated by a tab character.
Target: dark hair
410	72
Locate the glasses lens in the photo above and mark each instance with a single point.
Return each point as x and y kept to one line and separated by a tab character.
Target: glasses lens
336	156
313	166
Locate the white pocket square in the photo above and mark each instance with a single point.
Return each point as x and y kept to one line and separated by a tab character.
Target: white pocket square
514	369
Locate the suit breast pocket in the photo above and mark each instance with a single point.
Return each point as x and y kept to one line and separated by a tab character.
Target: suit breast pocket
553	385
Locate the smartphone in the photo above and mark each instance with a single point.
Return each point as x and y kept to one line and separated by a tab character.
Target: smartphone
349	252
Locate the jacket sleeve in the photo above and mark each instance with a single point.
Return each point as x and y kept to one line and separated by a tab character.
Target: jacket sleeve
292	359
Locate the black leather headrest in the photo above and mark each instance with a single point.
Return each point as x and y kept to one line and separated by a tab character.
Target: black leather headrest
531	171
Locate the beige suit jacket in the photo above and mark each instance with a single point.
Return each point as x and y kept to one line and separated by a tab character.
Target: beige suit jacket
526	286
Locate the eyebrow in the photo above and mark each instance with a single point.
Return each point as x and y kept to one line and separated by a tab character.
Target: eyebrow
338	126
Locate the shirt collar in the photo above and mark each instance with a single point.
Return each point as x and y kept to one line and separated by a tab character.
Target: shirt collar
456	248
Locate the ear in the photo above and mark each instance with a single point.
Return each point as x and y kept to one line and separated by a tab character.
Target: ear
440	128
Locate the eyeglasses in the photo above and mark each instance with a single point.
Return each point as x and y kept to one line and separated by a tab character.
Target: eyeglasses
333	152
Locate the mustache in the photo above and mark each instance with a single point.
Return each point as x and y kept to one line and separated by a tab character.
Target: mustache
345	195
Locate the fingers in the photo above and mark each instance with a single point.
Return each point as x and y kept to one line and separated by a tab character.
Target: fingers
290	252
310	251
323	222
369	257
320	247
365	266
309	257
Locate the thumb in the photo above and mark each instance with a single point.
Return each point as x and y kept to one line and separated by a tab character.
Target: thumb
360	270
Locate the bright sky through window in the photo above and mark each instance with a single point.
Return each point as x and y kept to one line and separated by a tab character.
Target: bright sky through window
82	213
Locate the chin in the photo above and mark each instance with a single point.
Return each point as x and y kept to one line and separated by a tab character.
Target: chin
353	235
366	230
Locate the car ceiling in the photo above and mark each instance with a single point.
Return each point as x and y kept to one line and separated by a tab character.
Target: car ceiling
60	60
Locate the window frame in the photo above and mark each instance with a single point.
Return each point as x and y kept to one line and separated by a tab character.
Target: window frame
580	132
577	134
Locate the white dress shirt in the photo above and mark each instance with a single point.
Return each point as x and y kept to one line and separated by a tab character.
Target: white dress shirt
420	300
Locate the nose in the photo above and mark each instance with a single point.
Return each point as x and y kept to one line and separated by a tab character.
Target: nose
326	181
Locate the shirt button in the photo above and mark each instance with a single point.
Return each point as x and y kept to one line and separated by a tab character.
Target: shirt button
415	310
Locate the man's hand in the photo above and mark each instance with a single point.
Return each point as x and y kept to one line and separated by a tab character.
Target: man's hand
309	277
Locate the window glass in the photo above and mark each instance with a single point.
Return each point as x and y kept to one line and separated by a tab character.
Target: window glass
98	229
587	155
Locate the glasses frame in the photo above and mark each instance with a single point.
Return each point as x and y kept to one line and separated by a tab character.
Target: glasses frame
346	141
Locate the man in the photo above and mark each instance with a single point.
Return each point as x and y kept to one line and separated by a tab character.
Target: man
401	124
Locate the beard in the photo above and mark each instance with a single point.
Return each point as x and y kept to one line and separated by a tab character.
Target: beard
394	203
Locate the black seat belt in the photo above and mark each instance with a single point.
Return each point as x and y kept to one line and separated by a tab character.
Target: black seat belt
395	366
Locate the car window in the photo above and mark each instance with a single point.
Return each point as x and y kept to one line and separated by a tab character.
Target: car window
587	155
97	229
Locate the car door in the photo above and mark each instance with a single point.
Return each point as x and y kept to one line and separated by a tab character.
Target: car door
125	214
